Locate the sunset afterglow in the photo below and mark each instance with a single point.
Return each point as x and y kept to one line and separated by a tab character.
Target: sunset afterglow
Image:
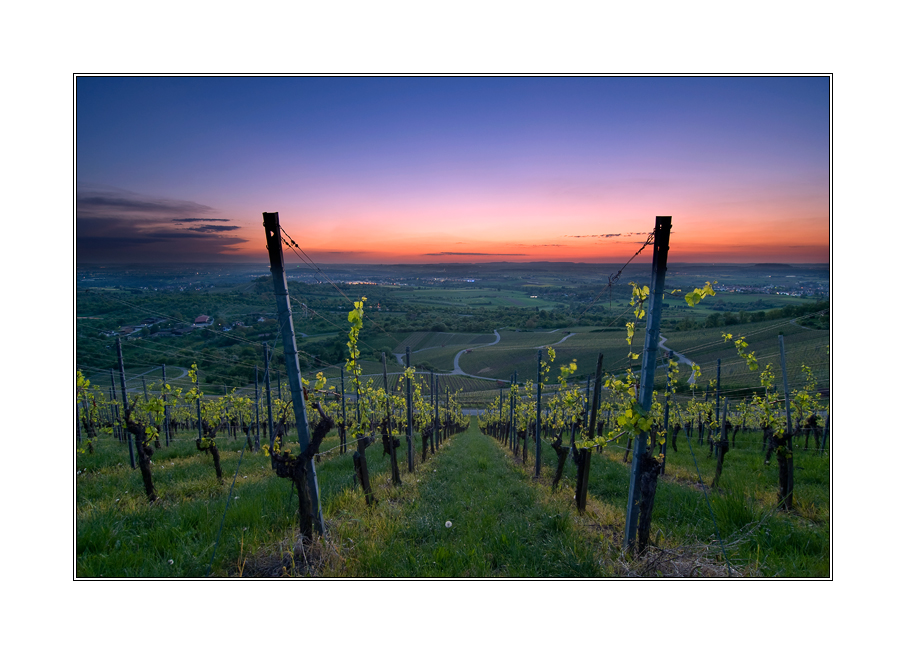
389	170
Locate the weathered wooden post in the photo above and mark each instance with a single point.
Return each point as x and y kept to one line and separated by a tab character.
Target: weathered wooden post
114	409
291	355
584	458
645	469
788	439
166	405
343	413
513	444
125	401
434	392
664	446
718	391
198	407
538	418
268	395
257	417
389	434
410	455
437	415
722	446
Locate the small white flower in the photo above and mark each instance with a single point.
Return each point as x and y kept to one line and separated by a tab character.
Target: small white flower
448	525
235	497
117	500
170	562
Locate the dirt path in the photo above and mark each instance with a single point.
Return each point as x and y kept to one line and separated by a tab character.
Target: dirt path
680	358
459	371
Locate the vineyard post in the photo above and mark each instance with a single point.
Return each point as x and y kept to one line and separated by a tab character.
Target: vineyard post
587	401
501	417
664	446
512	433
343	409
279	395
268	396
718	392
538	418
125	400
722	446
789	441
825	431
434	392
437	417
198	406
114	417
649	357
257	417
166	406
410	457
786	388
395	470
291	357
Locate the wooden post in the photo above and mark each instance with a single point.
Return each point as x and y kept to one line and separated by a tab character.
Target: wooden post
722	447
434	392
410	455
268	396
437	416
596	398
198	407
718	392
789	439
125	401
588	400
582	477
512	432
343	412
664	446
114	416
257	417
166	405
649	357
291	355
538	418
395	470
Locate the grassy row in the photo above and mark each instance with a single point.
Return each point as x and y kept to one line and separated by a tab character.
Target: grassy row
502	522
737	520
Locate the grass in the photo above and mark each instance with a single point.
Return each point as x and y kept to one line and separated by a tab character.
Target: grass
503	522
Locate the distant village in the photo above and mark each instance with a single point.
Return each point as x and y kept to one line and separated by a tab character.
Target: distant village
139	329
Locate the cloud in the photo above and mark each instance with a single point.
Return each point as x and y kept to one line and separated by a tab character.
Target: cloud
599	236
113	225
214	228
119	203
475	254
204	220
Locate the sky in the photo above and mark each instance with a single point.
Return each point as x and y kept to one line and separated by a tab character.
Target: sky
435	169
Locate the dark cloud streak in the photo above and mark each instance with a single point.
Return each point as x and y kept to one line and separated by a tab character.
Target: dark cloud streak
121	226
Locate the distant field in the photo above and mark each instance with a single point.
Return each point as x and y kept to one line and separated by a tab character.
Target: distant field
466	298
421	340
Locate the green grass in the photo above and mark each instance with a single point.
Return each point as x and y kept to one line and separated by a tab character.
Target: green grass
504	523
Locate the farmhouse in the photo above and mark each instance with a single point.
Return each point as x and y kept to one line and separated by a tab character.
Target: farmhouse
202	321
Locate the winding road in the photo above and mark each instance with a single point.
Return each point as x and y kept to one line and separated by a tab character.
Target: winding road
459	371
680	358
